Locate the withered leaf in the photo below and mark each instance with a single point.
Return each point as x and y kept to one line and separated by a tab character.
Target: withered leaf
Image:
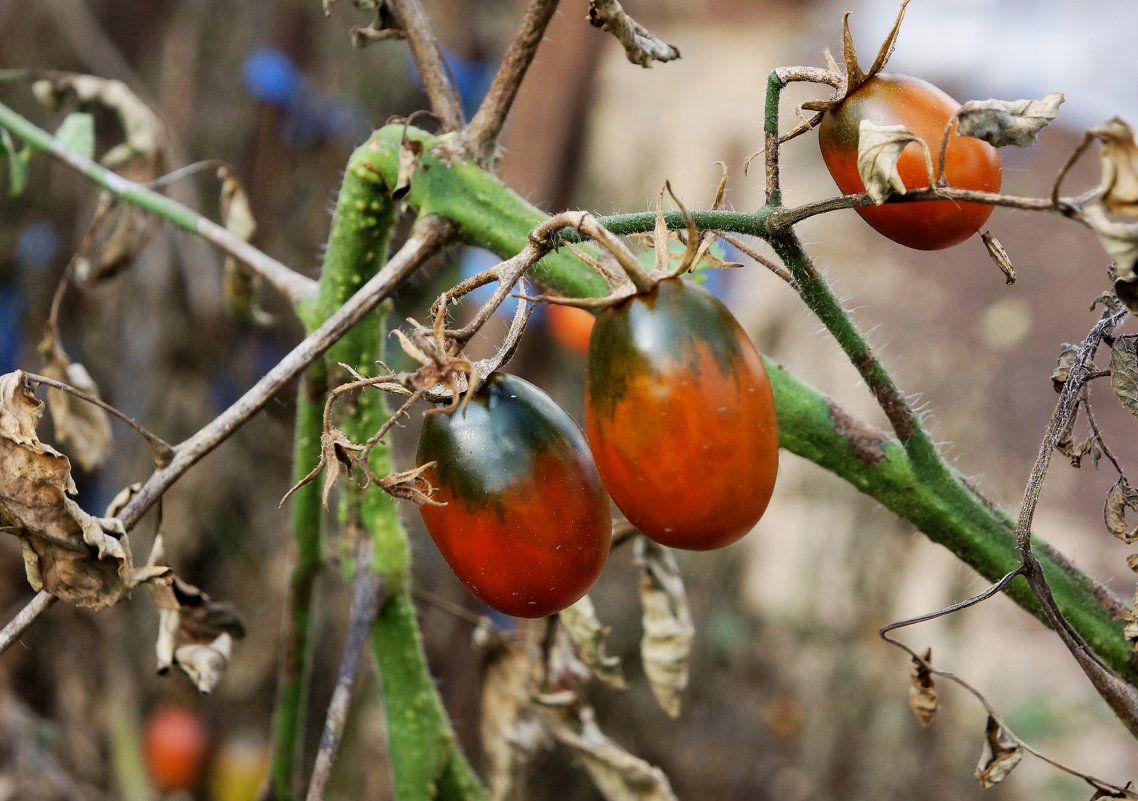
619	775
999	256
410	153
641	46
580	620
878	148
241	287
665	646
1063	365
1124	373
1007	122
999	756
512	733
922	691
1119	158
71	554
84	428
1118	499
1120	241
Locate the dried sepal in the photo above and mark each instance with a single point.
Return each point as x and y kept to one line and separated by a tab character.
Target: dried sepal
1119	498
1119	160
1124	373
409	485
878	148
1007	122
666	644
581	622
999	256
999	756
922	690
641	46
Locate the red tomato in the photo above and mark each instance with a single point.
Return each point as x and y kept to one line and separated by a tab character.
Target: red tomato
680	417
891	99
175	746
526	526
570	326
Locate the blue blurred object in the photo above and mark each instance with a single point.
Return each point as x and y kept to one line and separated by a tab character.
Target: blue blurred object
472	78
11	335
272	77
37	244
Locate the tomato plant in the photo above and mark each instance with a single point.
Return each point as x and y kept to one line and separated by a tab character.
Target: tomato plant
680	417
526	525
175	745
893	99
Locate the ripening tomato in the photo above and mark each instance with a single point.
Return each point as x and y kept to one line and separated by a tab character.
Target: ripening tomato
680	416
175	745
526	526
892	99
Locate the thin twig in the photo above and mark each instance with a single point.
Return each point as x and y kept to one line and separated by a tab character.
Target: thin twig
777	269
429	61
481	136
293	285
24	619
367	599
427	237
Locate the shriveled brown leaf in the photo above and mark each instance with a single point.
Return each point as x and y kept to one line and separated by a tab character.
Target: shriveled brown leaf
999	756
512	732
1063	365
665	646
241	287
641	46
1007	122
999	256
581	622
68	552
1118	499
82	427
1120	241
617	774
922	691
410	152
1119	160
878	148
1124	373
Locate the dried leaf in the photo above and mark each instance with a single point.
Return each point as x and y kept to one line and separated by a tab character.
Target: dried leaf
641	46
1124	373
999	757
878	148
1118	499
922	691
1119	157
666	644
619	775
580	620
512	733
84	428
410	152
1119	240
1007	122
240	285
67	552
1063	365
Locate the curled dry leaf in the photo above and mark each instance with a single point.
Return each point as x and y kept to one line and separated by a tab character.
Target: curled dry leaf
1063	365
241	286
641	46
410	152
619	775
1124	373
999	256
922	690
84	428
1007	122
1120	497
1120	241
665	646
512	732
1119	158
580	620
69	553
878	148
999	756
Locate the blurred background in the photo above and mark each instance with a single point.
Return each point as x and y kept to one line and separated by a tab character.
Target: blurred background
793	695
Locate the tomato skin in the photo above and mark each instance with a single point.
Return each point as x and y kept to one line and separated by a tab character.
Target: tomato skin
680	416
893	99
527	526
175	745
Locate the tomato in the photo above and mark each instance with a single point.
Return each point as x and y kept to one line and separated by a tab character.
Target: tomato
891	99
680	417
175	745
526	526
570	326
